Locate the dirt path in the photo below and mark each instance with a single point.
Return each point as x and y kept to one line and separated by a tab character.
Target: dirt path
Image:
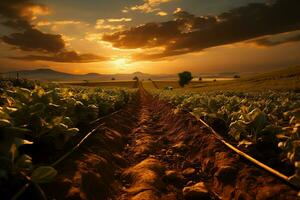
148	152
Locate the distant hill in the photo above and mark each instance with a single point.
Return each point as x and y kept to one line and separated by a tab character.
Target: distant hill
52	75
46	74
285	79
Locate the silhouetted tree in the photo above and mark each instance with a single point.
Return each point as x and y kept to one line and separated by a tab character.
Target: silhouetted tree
135	78
184	78
200	79
113	78
236	76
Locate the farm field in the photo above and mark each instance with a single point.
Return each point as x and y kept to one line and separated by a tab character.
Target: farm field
126	84
144	142
281	80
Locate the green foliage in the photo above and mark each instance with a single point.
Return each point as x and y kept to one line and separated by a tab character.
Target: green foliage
250	117
43	174
184	78
50	115
24	83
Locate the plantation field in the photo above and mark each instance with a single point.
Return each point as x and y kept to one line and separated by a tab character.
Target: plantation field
164	84
132	129
161	84
126	84
39	122
259	114
281	80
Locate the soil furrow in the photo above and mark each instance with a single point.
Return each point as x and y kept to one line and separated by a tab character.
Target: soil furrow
155	153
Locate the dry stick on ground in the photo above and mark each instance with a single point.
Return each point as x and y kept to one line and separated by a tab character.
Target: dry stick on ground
248	157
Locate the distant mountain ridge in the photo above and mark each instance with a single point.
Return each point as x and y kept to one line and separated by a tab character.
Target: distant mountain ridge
52	75
46	74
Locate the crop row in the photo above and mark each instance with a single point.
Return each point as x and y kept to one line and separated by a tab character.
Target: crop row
46	118
267	122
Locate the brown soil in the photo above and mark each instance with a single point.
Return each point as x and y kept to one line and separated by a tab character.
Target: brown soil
147	152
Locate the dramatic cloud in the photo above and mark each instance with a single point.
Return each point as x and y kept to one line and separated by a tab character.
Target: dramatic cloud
66	57
177	10
18	14
188	33
162	13
101	24
35	40
148	6
63	22
145	36
120	20
269	41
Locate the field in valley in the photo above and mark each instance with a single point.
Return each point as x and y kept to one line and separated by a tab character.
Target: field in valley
126	84
281	80
152	139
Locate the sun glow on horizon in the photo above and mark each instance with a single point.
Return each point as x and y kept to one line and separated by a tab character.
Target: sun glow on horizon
122	64
121	61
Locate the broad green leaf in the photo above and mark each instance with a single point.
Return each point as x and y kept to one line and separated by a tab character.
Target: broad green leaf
43	174
258	119
5	123
24	162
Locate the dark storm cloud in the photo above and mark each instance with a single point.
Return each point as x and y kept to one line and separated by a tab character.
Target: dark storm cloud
66	57
14	9
35	40
17	24
188	33
17	14
148	35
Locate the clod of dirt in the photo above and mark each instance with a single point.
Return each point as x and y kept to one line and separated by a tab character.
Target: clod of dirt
174	178
169	152
226	174
190	183
91	180
144	144
189	172
144	179
146	195
164	140
270	192
180	147
119	160
101	188
196	192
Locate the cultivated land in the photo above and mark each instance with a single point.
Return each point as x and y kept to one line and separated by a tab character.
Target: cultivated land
146	148
148	152
127	84
281	80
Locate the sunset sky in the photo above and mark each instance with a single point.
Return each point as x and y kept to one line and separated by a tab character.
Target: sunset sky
152	36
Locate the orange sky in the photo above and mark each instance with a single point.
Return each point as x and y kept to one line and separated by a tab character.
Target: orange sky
152	36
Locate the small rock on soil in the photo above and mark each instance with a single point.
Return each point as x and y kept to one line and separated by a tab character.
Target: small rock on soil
196	192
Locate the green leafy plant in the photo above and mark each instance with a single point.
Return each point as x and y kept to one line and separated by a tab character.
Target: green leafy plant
251	118
51	116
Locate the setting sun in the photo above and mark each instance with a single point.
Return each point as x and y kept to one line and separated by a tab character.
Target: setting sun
121	62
